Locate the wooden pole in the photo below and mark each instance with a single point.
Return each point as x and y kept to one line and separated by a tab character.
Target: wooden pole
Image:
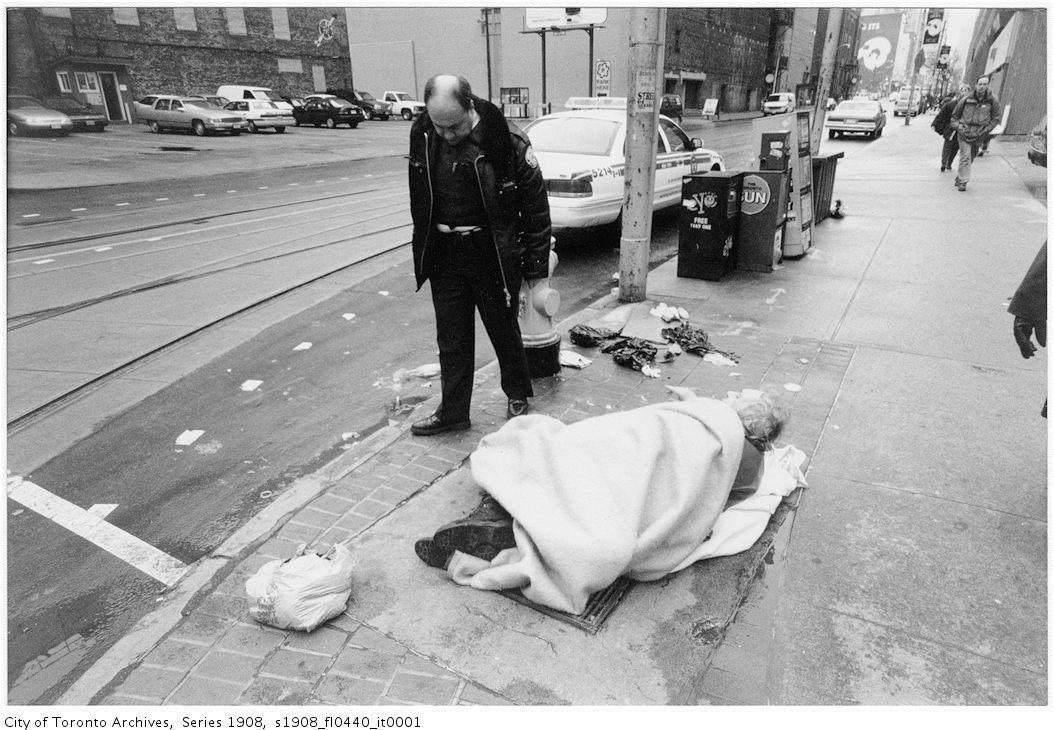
647	32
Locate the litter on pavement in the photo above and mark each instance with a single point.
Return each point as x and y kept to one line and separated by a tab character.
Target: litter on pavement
303	592
188	437
571	359
251	385
303	346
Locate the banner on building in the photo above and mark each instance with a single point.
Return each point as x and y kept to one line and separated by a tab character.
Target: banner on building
945	57
934	27
879	35
998	51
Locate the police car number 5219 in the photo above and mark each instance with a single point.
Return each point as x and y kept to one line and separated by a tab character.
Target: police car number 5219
581	153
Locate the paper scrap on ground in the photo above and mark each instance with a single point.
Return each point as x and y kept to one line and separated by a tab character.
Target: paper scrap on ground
348	435
649	371
349	315
383	293
571	359
251	385
431	370
188	437
718	359
303	346
667	313
792	387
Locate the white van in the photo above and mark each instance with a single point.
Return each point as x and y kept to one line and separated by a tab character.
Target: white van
234	92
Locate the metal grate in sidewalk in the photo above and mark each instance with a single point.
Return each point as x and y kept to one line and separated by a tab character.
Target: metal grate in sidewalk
601	605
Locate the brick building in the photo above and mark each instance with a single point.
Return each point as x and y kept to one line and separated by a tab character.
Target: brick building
111	56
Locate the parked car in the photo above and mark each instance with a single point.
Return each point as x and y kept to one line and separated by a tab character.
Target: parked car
1037	144
856	116
671	106
403	104
189	112
582	156
26	114
372	108
220	101
779	103
293	101
328	110
235	92
901	106
261	115
85	117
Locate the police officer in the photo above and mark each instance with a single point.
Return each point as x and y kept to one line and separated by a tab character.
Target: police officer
481	225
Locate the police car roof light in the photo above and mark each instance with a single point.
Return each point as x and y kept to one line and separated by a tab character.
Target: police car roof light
596	102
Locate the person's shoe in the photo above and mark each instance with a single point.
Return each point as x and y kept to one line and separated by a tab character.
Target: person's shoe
483	538
943	168
435	425
961	187
516	407
429	555
489	509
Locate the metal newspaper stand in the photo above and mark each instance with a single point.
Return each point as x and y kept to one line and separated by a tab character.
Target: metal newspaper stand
795	128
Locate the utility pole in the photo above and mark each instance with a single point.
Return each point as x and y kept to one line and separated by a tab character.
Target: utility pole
823	81
646	37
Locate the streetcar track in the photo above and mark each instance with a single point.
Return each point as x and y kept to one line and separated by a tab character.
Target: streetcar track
177	247
186	221
69	397
41	315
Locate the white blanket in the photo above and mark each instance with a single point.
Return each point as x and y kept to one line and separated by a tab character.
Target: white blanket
634	493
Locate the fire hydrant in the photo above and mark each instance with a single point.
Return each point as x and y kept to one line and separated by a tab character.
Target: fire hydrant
538	305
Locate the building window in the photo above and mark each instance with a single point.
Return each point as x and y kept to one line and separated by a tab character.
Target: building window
86	82
56	12
280	20
290	65
185	19
126	16
64	81
235	20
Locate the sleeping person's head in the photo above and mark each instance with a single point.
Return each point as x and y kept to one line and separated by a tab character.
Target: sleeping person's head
762	414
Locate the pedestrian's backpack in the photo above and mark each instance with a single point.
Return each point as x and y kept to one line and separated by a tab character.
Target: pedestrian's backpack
302	592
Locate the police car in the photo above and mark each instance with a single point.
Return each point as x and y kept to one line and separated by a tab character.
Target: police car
582	156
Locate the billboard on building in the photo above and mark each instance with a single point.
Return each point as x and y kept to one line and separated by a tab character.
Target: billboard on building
879	35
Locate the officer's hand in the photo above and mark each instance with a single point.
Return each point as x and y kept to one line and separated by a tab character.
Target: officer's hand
1023	334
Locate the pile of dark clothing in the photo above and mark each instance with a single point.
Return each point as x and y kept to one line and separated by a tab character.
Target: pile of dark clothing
635	353
631	352
694	340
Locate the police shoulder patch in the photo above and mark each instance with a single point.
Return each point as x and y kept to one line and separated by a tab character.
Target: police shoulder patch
531	159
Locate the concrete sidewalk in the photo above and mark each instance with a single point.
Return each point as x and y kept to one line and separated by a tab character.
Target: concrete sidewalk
911	571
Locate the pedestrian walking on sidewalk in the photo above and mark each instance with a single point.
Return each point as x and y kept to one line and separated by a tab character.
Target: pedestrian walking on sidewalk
481	226
942	126
1029	307
975	116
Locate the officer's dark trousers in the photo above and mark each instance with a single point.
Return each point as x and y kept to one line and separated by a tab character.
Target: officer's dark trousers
466	277
948	150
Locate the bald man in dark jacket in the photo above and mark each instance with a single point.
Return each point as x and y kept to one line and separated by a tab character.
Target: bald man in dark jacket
481	226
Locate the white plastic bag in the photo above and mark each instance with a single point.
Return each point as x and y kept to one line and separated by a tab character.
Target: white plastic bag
303	592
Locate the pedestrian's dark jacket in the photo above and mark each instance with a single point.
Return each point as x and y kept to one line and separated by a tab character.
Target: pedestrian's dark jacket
1030	299
942	122
975	116
513	192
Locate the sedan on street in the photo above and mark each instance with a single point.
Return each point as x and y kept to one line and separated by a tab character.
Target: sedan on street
582	156
188	112
261	115
328	110
85	117
26	114
856	116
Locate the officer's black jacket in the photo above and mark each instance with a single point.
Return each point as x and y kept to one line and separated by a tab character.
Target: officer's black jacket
513	192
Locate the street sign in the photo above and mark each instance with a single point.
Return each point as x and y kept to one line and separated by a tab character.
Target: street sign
645	101
602	78
563	18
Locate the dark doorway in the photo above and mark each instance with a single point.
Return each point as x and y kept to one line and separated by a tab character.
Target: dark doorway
111	95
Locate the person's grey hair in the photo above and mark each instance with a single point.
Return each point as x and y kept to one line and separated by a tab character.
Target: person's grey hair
986	77
461	91
763	420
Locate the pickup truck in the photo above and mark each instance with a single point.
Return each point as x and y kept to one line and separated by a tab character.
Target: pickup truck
403	104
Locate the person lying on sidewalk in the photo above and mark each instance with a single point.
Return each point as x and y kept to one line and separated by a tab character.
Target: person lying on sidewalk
570	508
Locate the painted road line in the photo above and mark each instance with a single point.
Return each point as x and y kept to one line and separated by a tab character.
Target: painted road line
101	510
31	215
232	191
262	187
77	210
199	195
103	248
118	205
293	184
90	526
44	261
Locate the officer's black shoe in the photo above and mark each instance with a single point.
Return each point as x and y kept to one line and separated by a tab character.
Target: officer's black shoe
516	407
483	538
429	555
435	425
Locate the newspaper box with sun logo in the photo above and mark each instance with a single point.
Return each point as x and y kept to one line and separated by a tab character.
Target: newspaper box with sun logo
709	224
762	216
